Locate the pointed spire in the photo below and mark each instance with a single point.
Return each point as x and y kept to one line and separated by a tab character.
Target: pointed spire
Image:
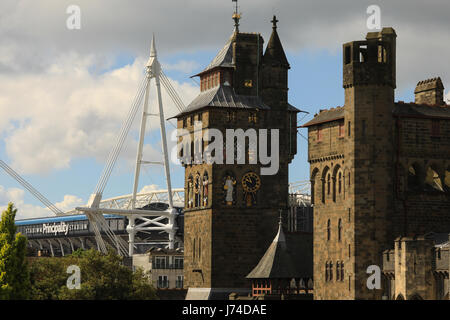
152	47
152	52
274	51
280	235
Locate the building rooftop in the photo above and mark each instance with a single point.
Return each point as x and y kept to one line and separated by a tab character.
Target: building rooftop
276	262
326	116
412	109
224	96
164	251
224	58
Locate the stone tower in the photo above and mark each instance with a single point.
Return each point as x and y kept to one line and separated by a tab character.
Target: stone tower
231	207
369	83
351	156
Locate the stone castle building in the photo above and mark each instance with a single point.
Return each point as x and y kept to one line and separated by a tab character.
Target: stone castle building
380	182
231	209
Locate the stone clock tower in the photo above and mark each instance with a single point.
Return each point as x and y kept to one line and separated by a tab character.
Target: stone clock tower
231	208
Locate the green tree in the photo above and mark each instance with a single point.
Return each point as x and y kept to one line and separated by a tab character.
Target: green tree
14	272
103	277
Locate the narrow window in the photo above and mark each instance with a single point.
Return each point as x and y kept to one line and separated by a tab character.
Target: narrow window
347	55
342	270
340	182
331	271
328	183
341	129
328	230
339	229
349	127
338	273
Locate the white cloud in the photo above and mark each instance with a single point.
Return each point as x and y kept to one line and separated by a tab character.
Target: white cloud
184	66
26	210
149	188
33	33
67	112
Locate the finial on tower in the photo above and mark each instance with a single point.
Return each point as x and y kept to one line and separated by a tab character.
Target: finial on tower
236	17
274	22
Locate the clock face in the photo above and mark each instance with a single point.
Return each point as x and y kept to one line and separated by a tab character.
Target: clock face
251	182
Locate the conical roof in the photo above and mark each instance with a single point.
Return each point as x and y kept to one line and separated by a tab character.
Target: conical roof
274	50
276	262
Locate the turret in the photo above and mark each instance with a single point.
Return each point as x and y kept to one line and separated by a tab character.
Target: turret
275	72
371	61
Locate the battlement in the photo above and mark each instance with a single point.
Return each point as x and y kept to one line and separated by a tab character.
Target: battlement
371	61
430	91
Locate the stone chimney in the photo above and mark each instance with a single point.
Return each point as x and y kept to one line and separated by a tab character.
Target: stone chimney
430	91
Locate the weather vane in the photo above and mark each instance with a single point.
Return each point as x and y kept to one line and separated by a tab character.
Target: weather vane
236	16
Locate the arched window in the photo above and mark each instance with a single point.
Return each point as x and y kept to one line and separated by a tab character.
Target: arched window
197	190
339	229
331	271
325	175
190	193
433	181
327	271
328	230
340	183
205	193
328	184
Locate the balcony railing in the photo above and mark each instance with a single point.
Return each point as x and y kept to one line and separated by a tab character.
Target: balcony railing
168	266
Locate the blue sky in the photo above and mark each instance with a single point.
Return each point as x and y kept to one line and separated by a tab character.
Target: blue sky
64	94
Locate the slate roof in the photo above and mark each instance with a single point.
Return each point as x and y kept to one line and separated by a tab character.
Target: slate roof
276	262
224	58
411	109
326	116
224	96
401	109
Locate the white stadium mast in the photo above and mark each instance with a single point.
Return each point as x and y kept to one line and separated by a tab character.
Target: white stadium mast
141	219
